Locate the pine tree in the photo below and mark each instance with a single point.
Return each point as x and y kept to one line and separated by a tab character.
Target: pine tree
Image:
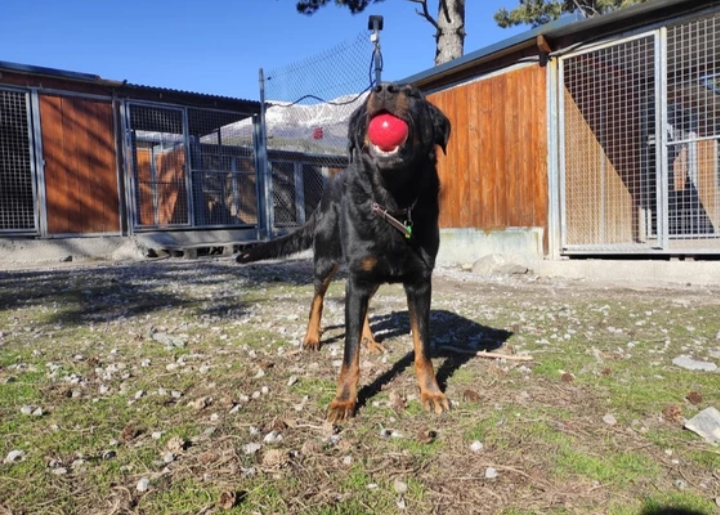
539	12
449	23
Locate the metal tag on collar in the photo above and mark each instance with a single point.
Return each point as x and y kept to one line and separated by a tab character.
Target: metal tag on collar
409	223
408	229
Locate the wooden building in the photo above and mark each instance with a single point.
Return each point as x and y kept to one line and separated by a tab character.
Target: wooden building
586	137
82	156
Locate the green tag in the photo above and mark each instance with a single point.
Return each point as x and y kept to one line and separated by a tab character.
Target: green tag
408	231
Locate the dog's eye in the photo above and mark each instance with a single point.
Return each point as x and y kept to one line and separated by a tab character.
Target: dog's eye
412	93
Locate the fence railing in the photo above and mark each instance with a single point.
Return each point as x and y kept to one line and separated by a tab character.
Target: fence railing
310	103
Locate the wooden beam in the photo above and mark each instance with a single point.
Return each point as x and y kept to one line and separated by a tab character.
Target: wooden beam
543	44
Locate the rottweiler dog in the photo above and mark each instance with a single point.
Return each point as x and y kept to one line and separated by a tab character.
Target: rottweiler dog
379	217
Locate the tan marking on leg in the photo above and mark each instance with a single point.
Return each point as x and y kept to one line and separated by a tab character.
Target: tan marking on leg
343	405
430	395
312	335
368	340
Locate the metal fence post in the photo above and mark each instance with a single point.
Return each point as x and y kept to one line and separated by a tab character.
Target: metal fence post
265	203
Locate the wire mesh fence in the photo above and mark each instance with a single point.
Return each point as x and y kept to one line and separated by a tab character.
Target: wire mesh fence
642	142
192	167
16	188
693	132
312	101
609	116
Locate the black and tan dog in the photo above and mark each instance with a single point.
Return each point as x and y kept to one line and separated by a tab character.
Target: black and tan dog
380	218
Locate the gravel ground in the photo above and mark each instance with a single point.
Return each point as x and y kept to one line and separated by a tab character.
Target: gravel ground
179	387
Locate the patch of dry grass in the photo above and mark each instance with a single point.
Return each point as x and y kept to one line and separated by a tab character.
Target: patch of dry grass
185	378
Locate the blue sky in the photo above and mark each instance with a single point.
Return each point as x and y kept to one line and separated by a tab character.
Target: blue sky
216	46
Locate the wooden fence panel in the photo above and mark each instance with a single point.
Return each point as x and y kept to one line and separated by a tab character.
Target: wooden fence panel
80	165
495	173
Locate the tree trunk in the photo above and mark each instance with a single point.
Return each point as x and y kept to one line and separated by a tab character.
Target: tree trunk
450	37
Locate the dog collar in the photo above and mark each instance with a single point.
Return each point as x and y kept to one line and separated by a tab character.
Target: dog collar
391	217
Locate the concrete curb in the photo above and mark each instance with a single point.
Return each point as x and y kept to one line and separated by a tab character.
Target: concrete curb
635	272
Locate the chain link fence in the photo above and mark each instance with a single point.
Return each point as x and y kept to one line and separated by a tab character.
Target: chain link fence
311	102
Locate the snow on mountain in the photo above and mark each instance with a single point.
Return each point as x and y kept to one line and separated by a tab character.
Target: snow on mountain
290	126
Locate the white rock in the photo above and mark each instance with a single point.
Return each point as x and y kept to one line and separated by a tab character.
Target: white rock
143	485
272	437
400	487
491	473
251	448
706	424
476	446
609	419
14	456
689	363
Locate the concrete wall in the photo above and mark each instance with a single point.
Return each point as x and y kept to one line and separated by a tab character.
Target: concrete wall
461	246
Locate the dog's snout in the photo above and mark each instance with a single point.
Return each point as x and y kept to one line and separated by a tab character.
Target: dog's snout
387	88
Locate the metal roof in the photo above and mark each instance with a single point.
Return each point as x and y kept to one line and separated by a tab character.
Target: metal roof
121	86
570	25
495	48
143	87
50	72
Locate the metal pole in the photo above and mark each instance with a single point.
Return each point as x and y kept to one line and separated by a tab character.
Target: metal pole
375	23
264	170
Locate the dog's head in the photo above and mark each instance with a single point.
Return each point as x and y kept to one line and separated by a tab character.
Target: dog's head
412	125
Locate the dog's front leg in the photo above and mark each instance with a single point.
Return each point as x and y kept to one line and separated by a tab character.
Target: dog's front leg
357	297
418	296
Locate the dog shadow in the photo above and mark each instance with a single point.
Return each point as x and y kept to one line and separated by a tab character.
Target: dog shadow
446	329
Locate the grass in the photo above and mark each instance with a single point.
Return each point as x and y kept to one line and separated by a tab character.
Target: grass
542	431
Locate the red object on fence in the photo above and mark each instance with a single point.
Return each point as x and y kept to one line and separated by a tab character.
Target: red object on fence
318	133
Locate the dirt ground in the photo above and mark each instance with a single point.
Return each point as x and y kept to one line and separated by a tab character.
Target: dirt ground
179	386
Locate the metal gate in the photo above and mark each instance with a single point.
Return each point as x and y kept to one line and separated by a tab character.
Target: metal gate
191	167
17	186
639	139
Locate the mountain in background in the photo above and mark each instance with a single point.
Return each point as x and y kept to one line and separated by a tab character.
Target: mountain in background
292	126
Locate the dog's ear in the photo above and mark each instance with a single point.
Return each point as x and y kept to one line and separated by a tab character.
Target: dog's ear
441	128
355	131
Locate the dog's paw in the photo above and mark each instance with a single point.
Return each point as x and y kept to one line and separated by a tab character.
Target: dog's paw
311	344
436	402
373	347
339	411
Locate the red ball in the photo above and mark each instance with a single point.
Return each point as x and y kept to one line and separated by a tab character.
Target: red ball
387	131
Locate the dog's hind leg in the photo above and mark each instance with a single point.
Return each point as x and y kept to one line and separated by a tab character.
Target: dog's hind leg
324	272
418	296
368	340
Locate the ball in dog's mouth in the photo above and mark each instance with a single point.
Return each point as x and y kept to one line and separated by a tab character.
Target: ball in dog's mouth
387	132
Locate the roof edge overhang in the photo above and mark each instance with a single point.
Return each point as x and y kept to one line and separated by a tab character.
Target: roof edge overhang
124	88
570	26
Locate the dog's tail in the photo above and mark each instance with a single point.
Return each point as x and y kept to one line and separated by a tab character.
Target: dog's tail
297	241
